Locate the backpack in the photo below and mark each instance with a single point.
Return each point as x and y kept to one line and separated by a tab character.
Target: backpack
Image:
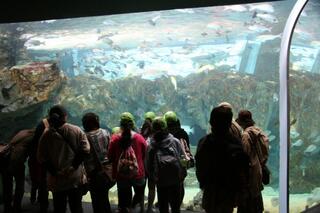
261	146
127	164
261	141
167	167
187	153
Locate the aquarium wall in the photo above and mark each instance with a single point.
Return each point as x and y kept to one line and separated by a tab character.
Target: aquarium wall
185	60
304	111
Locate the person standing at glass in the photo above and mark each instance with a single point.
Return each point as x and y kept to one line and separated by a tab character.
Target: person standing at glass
174	128
146	132
62	148
99	183
128	142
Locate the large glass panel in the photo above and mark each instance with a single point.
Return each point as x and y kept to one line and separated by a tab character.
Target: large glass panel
185	60
304	182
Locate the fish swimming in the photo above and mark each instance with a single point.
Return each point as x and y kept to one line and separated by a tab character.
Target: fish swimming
174	82
268	17
189	11
268	8
259	28
298	143
264	38
36	42
237	8
153	20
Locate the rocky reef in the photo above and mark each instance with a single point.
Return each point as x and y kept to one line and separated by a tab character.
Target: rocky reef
25	90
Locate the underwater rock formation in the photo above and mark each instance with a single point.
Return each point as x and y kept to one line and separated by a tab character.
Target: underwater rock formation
24	89
12	45
304	131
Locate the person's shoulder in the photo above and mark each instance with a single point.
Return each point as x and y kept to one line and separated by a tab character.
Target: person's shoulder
115	137
138	137
72	127
101	132
205	138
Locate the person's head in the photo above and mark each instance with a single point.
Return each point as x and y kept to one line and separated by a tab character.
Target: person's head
159	127
126	124
171	119
116	130
220	119
149	116
90	121
245	119
57	116
225	104
159	124
127	121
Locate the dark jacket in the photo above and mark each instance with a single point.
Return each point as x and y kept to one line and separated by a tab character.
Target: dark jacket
220	169
162	143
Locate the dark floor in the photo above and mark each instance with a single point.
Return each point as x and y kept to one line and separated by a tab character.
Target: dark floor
27	207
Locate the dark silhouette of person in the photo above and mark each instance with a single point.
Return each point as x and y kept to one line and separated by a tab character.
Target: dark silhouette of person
15	171
254	201
220	164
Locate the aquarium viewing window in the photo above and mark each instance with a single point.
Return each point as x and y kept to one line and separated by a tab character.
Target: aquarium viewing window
186	60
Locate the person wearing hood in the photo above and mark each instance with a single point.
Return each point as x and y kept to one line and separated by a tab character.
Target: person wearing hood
253	202
235	128
146	129
174	128
165	166
127	151
62	149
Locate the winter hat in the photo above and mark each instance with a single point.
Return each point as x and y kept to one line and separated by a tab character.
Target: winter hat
126	119
159	124
170	116
245	118
149	115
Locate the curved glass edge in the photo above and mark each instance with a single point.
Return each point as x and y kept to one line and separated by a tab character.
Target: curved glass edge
284	105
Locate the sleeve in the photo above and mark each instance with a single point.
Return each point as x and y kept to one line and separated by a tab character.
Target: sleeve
83	149
144	147
179	148
84	143
186	137
111	154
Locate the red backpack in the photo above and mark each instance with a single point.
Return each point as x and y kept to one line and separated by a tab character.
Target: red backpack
127	164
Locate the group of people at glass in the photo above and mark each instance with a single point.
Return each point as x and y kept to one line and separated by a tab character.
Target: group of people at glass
70	161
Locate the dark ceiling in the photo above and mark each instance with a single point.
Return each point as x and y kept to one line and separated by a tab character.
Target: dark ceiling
35	10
